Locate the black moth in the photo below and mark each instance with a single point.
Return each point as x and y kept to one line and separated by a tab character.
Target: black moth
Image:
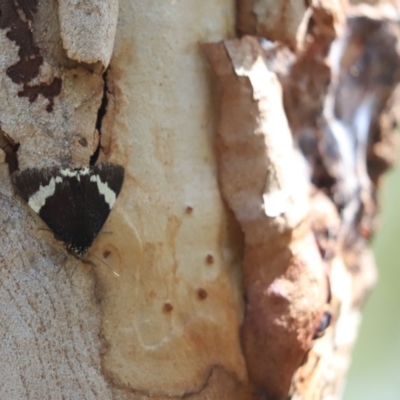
74	203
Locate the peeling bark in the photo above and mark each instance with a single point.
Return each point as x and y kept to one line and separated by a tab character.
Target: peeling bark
337	96
260	177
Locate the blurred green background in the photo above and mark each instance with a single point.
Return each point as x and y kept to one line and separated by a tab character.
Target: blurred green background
375	370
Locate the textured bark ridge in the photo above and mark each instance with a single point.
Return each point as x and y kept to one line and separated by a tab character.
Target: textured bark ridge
51	76
50	96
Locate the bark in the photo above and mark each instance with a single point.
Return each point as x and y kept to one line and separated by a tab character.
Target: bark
253	150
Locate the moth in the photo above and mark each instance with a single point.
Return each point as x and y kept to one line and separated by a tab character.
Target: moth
74	203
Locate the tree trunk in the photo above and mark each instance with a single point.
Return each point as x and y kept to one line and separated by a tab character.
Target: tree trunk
236	258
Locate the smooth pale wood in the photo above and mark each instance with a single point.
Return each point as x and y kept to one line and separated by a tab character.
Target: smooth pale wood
172	312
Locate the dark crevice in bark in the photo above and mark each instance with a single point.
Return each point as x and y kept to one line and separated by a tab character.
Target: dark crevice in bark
10	148
100	115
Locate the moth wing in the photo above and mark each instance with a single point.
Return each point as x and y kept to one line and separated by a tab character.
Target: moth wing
73	203
28	182
111	174
56	199
102	187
